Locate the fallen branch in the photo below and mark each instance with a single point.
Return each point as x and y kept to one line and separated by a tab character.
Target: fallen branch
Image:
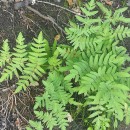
73	12
49	18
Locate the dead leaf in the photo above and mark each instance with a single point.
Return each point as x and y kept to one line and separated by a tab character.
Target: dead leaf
17	123
70	119
108	2
57	37
34	84
70	2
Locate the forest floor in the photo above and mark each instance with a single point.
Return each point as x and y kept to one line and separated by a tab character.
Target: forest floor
16	110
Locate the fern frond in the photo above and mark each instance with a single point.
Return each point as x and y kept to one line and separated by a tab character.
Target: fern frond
5	53
35	125
47	48
111	97
121	32
101	123
54	61
85	36
50	120
101	79
52	100
56	87
118	16
91	5
127	114
50	50
107	12
87	22
79	70
18	60
34	68
69	53
92	80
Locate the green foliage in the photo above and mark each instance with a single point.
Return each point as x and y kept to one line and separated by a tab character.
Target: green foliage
35	125
89	76
17	61
99	71
28	62
53	102
34	68
5	54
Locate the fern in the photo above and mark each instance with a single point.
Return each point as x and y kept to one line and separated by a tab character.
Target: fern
35	125
54	61
28	62
90	76
122	32
79	69
99	71
94	31
68	53
34	68
18	60
54	114
5	54
54	103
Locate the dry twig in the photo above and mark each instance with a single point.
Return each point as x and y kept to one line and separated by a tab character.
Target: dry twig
49	18
58	6
21	115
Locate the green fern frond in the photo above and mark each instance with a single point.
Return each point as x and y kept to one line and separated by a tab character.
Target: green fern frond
54	47
108	99
85	36
118	16
47	48
18	60
52	55
54	61
87	22
94	28
50	50
108	13
121	32
57	117
50	120
91	5
52	100
5	53
56	87
110	59
68	53
35	125
36	60
101	123
79	70
93	79
127	114
89	74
